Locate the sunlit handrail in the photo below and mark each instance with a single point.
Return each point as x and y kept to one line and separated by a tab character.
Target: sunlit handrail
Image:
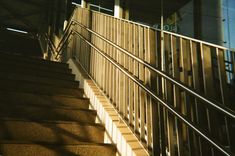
50	44
221	108
210	102
163	102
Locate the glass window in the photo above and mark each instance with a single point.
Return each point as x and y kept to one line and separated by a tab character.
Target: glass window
229	23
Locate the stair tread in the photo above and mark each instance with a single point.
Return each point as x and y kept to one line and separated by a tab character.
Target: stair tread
17	142
51	132
43	113
42	149
39	79
38	88
42	73
32	59
14	98
35	67
2	119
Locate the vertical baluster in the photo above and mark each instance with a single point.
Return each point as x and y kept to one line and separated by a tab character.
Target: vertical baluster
102	60
92	50
136	73
176	74
223	90
169	97
84	21
150	78
123	81
84	14
89	38
105	76
121	75
105	62
116	30
118	60
126	63
209	89
131	84
162	93
186	102
109	74
113	50
142	40
195	79
96	54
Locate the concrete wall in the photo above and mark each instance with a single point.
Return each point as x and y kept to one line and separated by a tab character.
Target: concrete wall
212	30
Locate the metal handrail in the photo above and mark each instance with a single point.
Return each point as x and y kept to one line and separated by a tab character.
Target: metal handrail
211	102
163	102
51	44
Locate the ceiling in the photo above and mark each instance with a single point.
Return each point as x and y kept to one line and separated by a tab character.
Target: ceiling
145	11
32	15
28	15
150	11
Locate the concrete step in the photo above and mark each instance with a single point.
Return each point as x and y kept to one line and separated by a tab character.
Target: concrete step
38	88
44	80
37	113
36	67
51	132
30	149
27	99
25	59
43	73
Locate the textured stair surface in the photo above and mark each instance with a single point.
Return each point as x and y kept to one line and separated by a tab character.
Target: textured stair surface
30	149
44	113
34	72
35	66
44	80
28	99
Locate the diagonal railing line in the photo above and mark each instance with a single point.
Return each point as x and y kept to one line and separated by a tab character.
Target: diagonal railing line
71	30
163	102
223	109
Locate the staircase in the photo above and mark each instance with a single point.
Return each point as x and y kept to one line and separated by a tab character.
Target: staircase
43	113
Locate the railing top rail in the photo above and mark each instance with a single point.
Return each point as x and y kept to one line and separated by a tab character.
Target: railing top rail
168	32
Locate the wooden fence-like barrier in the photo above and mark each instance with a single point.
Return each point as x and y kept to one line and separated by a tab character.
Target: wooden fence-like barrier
206	69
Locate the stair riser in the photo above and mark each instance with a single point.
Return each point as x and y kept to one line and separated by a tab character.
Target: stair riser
50	81
36	67
44	89
19	99
56	150
20	59
33	72
45	114
63	133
